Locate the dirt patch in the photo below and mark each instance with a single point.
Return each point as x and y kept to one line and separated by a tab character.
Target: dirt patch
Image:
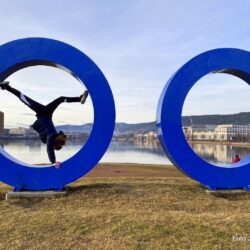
134	170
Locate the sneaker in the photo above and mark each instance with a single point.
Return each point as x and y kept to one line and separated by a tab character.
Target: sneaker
5	84
84	96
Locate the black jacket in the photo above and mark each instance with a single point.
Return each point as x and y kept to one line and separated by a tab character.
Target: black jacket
47	133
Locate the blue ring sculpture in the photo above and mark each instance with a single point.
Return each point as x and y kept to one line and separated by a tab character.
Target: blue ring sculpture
169	124
28	52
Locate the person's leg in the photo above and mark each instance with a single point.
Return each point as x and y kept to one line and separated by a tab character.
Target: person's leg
51	107
35	106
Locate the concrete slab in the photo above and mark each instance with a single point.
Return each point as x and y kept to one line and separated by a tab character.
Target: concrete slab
227	191
34	194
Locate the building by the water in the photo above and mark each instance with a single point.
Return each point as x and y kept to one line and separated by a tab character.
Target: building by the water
226	132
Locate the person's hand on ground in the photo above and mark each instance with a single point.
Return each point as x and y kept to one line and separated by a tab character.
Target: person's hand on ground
57	165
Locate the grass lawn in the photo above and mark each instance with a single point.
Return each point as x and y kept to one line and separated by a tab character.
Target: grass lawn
126	213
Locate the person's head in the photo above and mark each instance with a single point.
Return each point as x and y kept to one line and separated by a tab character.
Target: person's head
60	140
237	156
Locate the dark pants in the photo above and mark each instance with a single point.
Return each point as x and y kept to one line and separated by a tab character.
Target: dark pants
42	110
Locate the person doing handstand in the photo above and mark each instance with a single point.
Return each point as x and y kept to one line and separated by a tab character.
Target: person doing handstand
44	125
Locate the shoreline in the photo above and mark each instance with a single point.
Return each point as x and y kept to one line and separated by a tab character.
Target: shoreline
236	144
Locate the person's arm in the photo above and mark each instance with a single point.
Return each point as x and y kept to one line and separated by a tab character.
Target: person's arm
50	148
51	152
51	135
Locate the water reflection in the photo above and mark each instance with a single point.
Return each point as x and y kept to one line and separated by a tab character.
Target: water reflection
34	152
219	154
135	152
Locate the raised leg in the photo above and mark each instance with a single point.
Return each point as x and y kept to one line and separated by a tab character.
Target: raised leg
51	107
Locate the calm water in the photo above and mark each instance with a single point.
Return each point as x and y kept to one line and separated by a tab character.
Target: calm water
32	151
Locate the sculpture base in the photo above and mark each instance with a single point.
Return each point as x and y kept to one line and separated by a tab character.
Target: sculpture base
227	191
34	194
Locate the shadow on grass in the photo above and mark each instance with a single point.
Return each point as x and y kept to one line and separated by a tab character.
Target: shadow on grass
32	203
2	196
125	187
99	186
90	186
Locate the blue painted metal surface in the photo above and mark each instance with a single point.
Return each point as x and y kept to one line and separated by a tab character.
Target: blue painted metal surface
169	125
27	52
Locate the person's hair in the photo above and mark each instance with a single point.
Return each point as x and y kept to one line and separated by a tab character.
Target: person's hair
236	155
60	139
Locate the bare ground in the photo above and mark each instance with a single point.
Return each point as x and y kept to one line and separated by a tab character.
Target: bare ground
134	170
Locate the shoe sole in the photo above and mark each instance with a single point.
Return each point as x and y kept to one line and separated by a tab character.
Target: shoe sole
83	100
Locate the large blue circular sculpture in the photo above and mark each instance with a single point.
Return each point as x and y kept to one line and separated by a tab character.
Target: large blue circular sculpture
28	52
169	124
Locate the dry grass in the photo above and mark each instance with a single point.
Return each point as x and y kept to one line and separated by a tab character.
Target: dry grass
126	213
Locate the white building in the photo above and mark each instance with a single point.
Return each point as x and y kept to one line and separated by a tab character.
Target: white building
225	132
17	131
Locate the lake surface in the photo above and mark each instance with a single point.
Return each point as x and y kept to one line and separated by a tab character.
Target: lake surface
34	152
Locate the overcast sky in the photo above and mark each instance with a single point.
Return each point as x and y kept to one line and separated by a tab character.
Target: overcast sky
137	44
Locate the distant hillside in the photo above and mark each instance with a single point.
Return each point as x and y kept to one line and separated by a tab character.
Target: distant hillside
124	128
240	118
75	128
120	128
